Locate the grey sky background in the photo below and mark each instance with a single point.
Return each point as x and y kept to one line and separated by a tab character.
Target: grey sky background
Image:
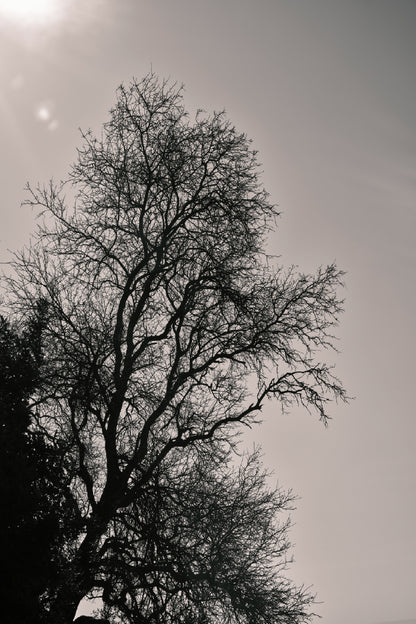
327	91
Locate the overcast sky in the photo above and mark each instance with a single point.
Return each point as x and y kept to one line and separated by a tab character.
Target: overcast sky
327	91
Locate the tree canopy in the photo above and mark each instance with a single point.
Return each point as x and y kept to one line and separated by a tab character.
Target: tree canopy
38	513
166	327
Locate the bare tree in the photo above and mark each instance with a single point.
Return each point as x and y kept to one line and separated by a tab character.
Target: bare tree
167	324
202	544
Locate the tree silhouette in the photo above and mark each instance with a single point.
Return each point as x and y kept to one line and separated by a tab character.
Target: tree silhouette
202	544
39	514
168	326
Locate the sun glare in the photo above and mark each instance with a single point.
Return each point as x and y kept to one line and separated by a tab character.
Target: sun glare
30	11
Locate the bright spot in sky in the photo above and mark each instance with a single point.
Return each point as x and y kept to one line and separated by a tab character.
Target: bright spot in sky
43	113
31	11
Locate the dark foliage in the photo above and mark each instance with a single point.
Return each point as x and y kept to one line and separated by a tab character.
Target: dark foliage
38	513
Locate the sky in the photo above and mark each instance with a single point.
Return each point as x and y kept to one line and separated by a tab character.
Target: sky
327	91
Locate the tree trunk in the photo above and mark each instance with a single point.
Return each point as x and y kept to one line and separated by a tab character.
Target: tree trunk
78	577
65	605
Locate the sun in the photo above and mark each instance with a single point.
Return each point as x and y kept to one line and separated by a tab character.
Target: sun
31	11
